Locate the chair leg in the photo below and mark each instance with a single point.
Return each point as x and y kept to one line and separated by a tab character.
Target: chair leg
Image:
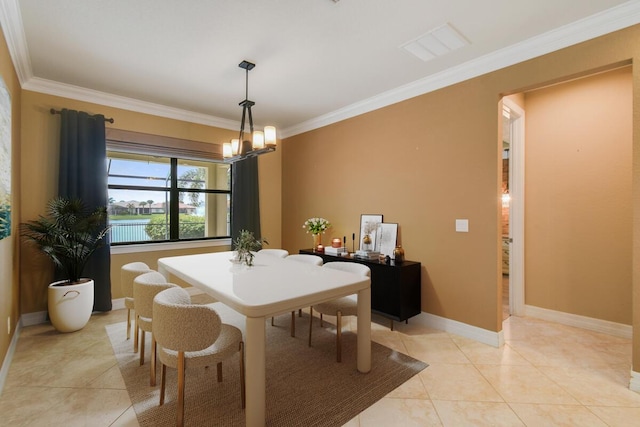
219	372
310	323
299	312
163	377
272	324
321	324
180	412
154	347
242	384
128	323
135	334
142	339
339	336
293	323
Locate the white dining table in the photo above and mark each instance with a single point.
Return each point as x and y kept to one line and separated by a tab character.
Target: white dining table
270	287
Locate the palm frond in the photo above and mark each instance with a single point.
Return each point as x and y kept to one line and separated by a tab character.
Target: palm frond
69	235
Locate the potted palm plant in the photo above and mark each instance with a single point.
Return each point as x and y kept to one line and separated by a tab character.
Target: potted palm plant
69	235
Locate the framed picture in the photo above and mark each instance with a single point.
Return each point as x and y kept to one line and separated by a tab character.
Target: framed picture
369	225
388	238
5	161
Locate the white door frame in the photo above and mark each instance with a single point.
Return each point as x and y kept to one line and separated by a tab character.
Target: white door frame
516	209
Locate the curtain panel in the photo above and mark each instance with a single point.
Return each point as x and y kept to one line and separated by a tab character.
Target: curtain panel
245	202
83	175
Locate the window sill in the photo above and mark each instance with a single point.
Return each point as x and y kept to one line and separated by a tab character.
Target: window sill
168	246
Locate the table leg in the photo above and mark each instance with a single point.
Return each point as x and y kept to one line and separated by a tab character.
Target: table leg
163	271
364	330
255	371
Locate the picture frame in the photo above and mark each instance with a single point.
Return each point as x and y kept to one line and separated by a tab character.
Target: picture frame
369	226
388	238
5	161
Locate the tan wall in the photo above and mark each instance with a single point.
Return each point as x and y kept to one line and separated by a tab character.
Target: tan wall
9	248
40	136
578	197
425	162
422	163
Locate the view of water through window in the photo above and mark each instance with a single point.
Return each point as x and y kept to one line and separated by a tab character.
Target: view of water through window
140	202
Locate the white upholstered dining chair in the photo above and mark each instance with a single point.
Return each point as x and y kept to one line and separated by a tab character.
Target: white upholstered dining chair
192	335
128	273
309	259
280	253
145	287
345	306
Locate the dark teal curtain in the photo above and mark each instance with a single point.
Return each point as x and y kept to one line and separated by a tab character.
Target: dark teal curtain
83	174
245	199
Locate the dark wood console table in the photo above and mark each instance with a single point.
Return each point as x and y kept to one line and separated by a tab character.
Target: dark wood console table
395	289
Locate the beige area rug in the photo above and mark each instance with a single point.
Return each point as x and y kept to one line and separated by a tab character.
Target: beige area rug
305	385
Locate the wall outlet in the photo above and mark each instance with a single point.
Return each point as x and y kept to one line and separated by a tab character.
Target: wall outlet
462	225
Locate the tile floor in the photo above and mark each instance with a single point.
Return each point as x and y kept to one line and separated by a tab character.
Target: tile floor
546	375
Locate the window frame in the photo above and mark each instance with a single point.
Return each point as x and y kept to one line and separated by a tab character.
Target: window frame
174	149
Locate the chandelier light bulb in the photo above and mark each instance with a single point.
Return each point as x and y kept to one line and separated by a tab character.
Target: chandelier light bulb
258	140
226	150
270	136
235	146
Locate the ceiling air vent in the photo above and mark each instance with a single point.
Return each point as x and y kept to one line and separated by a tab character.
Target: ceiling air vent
435	43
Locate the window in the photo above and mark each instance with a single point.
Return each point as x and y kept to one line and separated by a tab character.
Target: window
160	198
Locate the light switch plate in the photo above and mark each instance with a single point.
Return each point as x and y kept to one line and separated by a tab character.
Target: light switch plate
462	225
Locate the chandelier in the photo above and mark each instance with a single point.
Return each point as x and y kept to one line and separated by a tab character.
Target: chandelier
262	141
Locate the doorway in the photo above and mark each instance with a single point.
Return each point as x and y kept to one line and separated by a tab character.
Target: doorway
505	232
512	209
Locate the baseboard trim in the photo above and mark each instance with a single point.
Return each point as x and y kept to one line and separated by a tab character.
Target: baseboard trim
4	371
634	382
117	304
596	325
495	339
40	317
35	318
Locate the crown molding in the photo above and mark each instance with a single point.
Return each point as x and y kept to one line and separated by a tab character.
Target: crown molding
11	22
64	90
596	25
616	18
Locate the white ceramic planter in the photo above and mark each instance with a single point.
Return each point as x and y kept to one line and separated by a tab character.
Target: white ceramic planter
70	306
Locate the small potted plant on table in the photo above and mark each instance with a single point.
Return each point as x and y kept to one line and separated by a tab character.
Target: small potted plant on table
245	245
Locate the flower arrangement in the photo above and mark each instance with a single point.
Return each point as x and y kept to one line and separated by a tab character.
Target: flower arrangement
316	225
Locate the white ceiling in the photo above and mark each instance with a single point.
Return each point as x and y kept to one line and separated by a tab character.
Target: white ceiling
317	61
